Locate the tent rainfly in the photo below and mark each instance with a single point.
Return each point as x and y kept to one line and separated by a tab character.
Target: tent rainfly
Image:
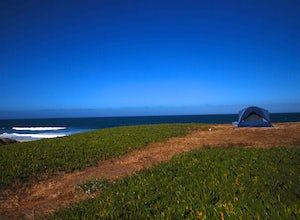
254	117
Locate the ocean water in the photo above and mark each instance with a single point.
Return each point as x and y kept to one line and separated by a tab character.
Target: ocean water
34	129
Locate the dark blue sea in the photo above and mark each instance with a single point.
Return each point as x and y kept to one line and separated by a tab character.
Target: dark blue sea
34	129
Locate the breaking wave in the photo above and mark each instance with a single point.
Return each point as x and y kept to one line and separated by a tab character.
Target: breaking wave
17	136
38	128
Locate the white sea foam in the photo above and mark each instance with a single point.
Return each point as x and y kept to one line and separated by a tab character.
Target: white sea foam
38	128
17	136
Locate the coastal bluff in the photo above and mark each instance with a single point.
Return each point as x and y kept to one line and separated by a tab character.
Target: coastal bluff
4	141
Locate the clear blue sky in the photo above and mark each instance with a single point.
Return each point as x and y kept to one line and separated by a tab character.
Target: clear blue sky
144	57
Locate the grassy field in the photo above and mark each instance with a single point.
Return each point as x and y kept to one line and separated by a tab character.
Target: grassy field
210	183
21	161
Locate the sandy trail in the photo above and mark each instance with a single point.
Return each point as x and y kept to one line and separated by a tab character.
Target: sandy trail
45	197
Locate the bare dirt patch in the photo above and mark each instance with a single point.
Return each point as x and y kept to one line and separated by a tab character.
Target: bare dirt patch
45	197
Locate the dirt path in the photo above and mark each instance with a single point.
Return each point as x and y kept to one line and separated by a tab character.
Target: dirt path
59	191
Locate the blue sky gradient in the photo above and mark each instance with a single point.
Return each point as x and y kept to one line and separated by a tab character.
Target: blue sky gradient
120	57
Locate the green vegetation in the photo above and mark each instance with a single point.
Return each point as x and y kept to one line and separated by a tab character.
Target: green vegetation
21	161
211	183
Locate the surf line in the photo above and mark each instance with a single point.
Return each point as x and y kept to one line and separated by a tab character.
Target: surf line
38	128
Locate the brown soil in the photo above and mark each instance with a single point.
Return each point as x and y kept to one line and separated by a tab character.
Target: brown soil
44	197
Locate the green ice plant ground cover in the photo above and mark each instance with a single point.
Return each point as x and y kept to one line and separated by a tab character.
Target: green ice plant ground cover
210	183
22	161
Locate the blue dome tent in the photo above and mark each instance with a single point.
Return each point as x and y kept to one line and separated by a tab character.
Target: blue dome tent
254	117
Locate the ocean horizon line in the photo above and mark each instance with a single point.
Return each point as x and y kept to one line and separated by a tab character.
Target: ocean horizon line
135	116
